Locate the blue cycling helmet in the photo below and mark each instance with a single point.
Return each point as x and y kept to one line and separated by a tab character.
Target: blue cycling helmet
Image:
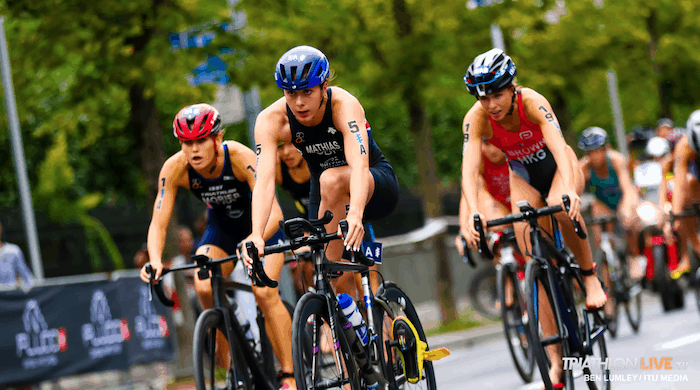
592	138
300	68
490	72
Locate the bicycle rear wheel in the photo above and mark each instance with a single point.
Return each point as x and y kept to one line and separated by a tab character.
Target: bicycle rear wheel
317	363
206	374
515	326
483	291
395	303
542	346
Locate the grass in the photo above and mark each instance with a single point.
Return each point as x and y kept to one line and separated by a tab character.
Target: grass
467	319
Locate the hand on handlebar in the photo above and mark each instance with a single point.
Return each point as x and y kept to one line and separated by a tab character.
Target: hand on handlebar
243	254
356	232
574	206
157	266
471	235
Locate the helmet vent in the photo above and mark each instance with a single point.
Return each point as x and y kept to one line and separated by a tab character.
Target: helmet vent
282	72
293	72
305	72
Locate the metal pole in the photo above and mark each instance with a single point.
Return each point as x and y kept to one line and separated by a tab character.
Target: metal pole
497	37
18	157
251	103
617	113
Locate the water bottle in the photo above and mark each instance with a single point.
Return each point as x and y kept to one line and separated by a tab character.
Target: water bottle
347	304
245	325
358	341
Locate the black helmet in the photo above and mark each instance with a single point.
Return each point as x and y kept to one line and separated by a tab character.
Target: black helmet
490	72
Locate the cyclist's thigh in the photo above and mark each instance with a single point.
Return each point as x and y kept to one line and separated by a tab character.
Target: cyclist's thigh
520	190
385	195
627	214
491	208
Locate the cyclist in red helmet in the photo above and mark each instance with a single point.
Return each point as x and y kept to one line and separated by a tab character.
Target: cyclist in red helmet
222	175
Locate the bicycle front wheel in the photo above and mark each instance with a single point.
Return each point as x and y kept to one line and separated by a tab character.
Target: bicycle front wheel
515	326
391	302
209	373
318	363
540	306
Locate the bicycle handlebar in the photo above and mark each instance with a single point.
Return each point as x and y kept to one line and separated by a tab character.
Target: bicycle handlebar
158	287
467	253
527	213
694	212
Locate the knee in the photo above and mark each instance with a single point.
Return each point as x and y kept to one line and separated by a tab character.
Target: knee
331	184
265	296
202	287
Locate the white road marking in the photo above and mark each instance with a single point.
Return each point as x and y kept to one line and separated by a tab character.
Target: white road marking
690	339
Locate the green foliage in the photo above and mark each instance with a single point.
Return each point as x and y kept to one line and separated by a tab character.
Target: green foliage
75	65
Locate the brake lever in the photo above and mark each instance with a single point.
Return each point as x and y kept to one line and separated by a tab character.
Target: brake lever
258	274
158	287
467	258
577	226
483	246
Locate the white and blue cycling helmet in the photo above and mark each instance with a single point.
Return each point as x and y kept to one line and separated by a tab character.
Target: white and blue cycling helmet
490	72
592	138
692	128
300	68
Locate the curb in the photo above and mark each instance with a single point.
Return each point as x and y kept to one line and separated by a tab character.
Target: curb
467	338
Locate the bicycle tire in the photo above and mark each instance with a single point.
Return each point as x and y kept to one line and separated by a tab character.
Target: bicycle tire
633	303
598	381
483	291
310	307
208	323
612	320
399	304
513	326
536	276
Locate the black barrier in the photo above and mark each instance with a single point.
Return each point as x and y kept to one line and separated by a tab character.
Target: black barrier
55	331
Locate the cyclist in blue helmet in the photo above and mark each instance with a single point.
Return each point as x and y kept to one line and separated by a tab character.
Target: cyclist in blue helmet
349	174
608	178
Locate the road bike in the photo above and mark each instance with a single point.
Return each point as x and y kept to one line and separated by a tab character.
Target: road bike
622	289
396	353
253	364
580	332
509	283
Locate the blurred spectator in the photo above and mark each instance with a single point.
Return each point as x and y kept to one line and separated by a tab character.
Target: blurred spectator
185	244
664	127
12	264
200	226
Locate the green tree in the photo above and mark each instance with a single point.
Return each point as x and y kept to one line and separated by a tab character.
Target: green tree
97	83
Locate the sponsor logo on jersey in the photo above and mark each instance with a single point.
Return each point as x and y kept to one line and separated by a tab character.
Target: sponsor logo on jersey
194	184
332	130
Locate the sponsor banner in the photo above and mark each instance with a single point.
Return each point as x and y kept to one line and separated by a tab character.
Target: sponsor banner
149	323
55	331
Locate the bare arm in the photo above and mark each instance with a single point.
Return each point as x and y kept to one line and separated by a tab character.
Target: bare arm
351	123
666	170
474	126
244	161
683	155
162	210
584	163
267	136
539	111
629	192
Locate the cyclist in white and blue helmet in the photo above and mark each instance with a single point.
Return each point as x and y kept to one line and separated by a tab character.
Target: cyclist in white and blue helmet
686	176
522	123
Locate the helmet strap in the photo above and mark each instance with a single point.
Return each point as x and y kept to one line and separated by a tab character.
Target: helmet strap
512	103
216	153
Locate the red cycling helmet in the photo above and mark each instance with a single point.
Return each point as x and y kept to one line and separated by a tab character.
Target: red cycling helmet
197	121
